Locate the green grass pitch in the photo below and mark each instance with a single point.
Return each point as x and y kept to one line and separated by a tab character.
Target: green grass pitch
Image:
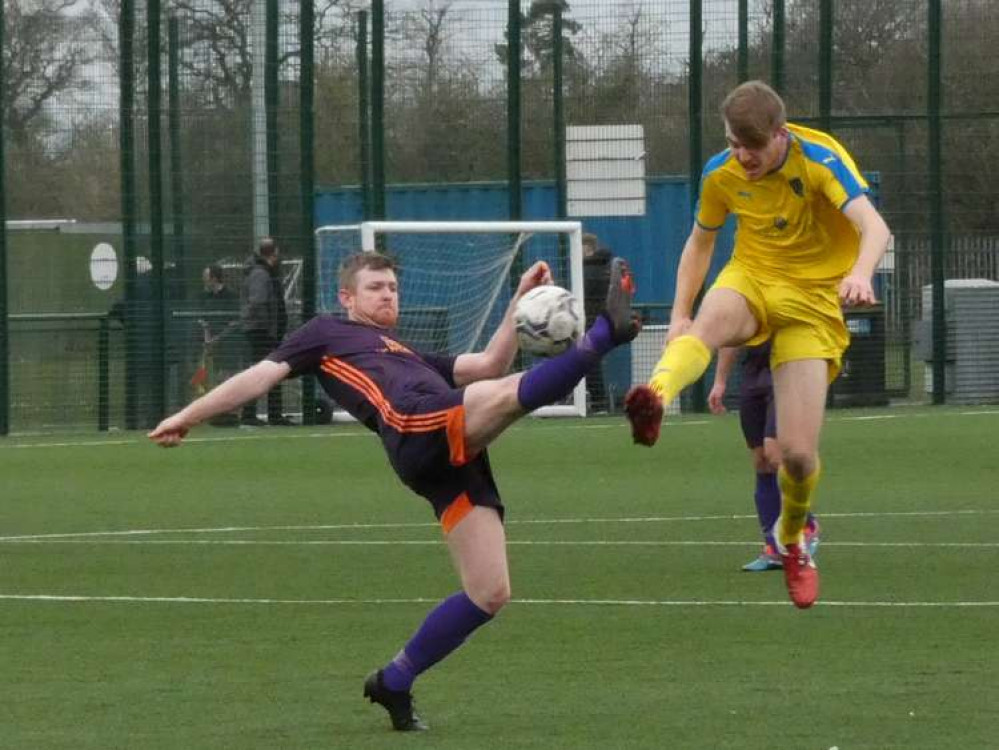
234	592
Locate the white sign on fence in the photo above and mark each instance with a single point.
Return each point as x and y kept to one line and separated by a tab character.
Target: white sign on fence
605	170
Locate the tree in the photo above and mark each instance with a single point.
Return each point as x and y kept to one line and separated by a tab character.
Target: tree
42	60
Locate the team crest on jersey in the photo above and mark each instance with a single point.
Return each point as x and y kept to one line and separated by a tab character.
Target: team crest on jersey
391	345
797	186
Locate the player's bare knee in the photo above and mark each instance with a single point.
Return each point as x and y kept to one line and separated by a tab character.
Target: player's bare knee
762	464
799	463
492	597
771	455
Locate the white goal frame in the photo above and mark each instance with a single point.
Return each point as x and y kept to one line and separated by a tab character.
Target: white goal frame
369	231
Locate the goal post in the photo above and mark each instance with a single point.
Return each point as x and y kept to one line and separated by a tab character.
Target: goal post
456	278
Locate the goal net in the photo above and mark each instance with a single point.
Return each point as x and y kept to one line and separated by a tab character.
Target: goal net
456	278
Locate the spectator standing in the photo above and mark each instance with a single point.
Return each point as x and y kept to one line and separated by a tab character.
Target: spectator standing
264	320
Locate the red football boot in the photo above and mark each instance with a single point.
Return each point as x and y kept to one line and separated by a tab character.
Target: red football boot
801	576
644	410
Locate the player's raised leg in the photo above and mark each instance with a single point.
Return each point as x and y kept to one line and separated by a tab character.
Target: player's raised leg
493	405
800	388
724	319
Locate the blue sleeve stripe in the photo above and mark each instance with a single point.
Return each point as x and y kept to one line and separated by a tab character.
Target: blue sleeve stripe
715	162
831	161
706	228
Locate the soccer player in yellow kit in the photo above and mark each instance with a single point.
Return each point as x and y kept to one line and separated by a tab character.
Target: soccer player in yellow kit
807	240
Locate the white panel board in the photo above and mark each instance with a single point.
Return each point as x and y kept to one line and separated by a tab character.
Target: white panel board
605	170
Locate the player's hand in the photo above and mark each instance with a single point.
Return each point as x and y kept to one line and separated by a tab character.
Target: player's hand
856	289
678	328
170	432
537	275
715	398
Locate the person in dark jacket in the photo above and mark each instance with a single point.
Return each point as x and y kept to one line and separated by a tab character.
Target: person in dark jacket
264	320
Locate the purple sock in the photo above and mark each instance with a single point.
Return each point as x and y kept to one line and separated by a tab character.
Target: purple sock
767	499
554	379
446	627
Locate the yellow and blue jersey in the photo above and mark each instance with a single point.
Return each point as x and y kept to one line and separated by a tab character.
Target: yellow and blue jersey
790	223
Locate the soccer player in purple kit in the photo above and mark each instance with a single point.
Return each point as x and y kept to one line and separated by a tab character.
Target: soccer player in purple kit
758	421
435	416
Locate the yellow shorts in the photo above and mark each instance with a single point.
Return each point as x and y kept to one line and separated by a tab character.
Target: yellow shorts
805	322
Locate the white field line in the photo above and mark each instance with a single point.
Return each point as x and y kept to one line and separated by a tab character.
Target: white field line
289	435
521	522
430	600
560	425
510	542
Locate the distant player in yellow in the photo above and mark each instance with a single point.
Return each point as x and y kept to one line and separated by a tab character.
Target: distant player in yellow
807	240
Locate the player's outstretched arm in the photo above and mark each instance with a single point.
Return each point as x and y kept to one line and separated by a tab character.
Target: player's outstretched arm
856	288
494	361
726	359
247	385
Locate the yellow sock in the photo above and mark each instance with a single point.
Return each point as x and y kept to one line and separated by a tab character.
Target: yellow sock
684	361
796	500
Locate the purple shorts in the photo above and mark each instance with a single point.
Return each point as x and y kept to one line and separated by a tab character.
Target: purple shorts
426	449
756	407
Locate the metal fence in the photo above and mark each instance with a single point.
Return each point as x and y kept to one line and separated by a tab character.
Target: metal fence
172	135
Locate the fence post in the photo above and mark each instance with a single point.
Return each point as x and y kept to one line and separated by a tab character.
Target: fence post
558	109
696	134
270	117
364	112
935	177
126	137
154	113
777	48
742	66
176	178
378	108
103	376
307	179
825	64
513	124
4	323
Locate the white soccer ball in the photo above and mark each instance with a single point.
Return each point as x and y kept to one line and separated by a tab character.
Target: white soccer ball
547	320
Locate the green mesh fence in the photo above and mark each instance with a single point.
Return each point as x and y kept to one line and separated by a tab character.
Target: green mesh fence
104	332
60	132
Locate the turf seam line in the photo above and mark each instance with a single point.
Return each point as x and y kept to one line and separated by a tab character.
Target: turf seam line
82	598
512	522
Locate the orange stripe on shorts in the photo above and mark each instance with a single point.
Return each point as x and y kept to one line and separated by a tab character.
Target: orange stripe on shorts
453	514
456	436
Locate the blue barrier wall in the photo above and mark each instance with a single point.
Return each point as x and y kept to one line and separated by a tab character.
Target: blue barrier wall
651	243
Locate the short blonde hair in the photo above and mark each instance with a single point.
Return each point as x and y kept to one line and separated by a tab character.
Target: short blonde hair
753	112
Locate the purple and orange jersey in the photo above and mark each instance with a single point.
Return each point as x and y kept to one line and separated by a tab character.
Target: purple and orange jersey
409	398
377	379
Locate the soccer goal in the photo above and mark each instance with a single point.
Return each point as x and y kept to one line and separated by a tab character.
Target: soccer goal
456	277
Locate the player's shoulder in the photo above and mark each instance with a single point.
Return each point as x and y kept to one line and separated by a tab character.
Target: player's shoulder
817	146
325	321
825	158
322	326
716	165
